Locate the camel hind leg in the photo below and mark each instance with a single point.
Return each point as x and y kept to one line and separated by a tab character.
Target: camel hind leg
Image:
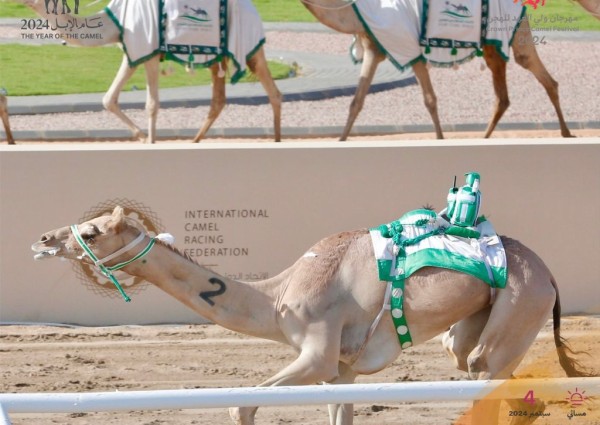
526	55
4	116
372	58
497	66
422	74
258	66
217	101
519	312
460	340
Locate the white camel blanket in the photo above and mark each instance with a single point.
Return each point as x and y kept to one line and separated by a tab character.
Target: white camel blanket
420	239
443	33
194	32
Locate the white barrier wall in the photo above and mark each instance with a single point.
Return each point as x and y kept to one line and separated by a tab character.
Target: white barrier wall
250	210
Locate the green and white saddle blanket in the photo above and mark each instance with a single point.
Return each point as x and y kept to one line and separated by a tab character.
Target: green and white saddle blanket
196	30
196	33
443	33
422	238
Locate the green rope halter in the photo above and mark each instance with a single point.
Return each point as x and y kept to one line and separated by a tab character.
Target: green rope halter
107	270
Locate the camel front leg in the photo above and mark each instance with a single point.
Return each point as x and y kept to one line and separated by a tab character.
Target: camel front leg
371	59
111	98
217	102
420	70
152	96
318	362
258	65
526	56
342	414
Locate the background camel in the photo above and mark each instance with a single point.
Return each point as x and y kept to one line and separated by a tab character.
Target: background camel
4	117
109	34
341	17
592	6
326	304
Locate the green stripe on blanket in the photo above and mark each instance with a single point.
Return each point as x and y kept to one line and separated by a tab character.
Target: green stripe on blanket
422	238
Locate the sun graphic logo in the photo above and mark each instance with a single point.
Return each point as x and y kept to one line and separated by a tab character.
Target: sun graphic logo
89	275
576	398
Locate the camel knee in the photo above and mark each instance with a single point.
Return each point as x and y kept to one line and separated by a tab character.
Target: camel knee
152	108
356	105
216	107
455	351
430	103
503	103
321	372
276	100
523	59
110	104
477	364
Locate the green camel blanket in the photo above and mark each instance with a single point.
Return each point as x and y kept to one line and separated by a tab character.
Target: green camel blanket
422	238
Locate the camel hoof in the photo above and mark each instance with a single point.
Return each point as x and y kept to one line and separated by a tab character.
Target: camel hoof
141	137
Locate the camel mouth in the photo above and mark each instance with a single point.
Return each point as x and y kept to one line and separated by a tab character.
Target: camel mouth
44	253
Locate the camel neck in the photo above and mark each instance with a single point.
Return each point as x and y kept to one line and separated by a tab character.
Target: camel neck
246	307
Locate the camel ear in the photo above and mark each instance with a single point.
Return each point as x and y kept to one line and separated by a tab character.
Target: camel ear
118	219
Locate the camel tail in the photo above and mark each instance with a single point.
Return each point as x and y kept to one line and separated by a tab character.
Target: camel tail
571	366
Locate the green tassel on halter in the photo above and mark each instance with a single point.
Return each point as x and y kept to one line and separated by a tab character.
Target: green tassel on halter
479	53
191	58
454	52
427	49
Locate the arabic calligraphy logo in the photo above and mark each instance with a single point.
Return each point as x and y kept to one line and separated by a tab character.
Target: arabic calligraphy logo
89	275
195	14
65	7
532	3
457	10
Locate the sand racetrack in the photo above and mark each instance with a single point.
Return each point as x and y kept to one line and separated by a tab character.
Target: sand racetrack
77	359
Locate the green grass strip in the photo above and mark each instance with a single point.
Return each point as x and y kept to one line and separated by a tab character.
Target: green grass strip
54	69
561	15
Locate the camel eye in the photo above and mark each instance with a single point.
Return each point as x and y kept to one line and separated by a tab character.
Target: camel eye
89	234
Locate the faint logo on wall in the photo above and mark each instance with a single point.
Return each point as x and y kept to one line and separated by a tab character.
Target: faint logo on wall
89	275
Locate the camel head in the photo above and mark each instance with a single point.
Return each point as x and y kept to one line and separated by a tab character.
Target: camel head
103	236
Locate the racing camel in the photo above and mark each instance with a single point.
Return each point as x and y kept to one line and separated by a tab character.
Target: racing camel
325	304
340	16
106	32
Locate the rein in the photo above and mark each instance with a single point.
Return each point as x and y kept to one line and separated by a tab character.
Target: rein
107	271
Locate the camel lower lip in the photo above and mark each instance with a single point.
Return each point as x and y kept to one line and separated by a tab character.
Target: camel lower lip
46	254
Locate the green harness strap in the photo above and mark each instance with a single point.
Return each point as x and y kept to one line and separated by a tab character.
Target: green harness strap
397	302
107	271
